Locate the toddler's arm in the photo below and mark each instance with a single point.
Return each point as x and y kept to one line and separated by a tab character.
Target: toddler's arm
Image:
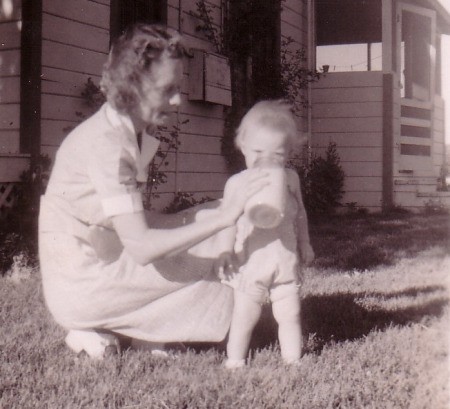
304	244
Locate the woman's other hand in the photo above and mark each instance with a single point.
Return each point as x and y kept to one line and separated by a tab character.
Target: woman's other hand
307	253
239	189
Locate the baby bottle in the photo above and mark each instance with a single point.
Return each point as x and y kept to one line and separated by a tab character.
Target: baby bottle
265	209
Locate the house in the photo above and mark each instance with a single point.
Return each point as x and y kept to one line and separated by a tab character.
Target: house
383	104
379	100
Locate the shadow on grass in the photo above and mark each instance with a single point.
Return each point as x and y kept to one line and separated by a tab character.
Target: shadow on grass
342	317
359	243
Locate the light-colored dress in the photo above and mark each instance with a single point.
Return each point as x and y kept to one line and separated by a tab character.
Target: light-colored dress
89	280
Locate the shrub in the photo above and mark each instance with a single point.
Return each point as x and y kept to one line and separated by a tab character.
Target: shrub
183	201
322	181
18	225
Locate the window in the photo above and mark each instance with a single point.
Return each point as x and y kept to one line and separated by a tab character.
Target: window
127	12
417	52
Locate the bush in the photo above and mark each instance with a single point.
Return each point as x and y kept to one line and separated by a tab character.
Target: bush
18	225
322	180
183	201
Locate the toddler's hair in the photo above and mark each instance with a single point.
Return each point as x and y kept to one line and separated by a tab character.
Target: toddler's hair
274	114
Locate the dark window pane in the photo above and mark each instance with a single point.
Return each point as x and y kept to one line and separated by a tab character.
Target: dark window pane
415	150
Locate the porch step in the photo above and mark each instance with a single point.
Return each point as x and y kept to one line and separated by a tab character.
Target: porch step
442	195
431	181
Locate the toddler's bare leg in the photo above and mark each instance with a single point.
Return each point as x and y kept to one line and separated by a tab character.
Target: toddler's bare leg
287	314
246	313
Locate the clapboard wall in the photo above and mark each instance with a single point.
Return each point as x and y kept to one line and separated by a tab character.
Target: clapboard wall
198	166
12	161
10	81
347	109
438	149
75	42
294	32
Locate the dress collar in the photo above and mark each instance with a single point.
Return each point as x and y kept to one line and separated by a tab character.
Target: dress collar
117	119
149	144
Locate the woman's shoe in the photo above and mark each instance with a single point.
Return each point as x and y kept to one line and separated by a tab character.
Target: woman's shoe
233	364
155	348
96	344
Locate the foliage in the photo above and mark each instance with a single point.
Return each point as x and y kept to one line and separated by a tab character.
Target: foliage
235	42
206	25
354	209
169	142
349	242
183	201
295	77
435	206
373	339
18	225
92	96
322	180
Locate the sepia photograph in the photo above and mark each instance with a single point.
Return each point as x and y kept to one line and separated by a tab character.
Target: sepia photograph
224	204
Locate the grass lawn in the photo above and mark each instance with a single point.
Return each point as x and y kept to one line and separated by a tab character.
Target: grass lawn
375	314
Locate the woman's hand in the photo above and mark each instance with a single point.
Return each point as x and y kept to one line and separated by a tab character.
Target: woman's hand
239	189
307	253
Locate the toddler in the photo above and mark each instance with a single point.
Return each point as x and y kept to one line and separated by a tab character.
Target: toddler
267	257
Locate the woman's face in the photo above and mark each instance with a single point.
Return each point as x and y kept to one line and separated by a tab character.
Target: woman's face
160	92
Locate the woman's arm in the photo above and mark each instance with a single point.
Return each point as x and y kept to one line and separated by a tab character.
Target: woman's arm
146	244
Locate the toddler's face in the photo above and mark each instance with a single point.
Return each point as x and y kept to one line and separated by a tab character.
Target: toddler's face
264	143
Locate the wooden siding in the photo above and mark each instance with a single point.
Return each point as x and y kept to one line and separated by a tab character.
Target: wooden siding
75	42
12	163
438	142
294	27
199	167
10	82
347	109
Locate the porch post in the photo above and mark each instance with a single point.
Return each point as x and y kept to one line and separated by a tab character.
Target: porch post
388	142
30	79
30	102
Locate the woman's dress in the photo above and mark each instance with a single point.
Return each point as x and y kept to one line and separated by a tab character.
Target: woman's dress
89	280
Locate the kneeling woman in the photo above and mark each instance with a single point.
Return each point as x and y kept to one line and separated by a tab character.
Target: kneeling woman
108	266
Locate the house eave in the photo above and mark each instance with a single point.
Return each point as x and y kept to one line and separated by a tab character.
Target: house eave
443	15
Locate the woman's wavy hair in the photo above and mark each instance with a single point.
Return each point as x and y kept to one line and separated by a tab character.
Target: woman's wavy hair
131	59
273	114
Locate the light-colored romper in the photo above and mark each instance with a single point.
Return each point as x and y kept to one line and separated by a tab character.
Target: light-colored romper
89	280
269	262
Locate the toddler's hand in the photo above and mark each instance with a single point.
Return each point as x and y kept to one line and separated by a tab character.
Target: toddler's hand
307	253
225	266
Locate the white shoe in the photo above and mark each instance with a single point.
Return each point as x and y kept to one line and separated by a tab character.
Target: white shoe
95	344
234	363
155	348
293	362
